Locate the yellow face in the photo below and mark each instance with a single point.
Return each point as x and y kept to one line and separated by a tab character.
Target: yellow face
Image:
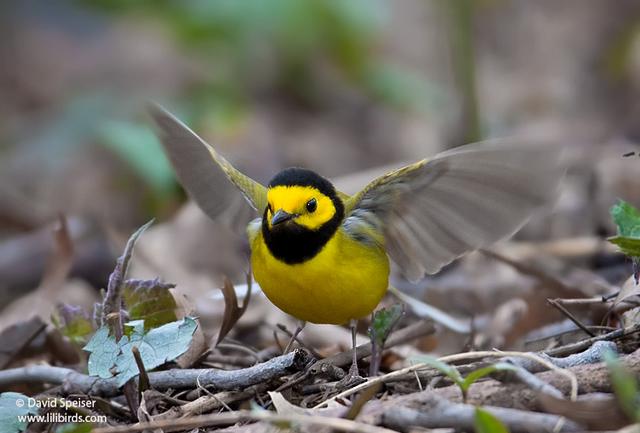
307	206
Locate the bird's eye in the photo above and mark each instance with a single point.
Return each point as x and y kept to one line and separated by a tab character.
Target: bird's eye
312	205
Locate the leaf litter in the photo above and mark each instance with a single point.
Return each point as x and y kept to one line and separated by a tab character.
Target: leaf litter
152	317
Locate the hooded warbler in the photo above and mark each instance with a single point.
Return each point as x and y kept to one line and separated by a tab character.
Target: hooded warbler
323	256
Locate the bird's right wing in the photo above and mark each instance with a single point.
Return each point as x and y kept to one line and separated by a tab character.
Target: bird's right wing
202	171
433	211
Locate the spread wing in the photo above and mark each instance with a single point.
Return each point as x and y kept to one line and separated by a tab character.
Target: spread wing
432	212
202	171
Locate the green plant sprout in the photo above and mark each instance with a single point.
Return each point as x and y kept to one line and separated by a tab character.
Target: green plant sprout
625	386
627	219
484	421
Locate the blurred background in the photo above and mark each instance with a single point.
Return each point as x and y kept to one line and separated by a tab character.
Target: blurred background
337	86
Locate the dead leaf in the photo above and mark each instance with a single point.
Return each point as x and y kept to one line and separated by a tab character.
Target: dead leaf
53	286
365	396
595	411
626	305
283	407
232	312
17	337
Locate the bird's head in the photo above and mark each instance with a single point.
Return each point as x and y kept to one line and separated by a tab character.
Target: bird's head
303	212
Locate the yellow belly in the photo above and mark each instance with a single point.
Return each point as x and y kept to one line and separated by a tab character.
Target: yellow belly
344	281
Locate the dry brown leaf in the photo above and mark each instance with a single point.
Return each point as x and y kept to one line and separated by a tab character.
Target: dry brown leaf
54	286
283	407
595	411
232	312
626	304
61	259
16	337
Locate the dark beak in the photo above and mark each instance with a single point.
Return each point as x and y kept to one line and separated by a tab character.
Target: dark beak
280	217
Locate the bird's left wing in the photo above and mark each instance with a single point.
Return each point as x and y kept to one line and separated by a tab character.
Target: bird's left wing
434	211
202	171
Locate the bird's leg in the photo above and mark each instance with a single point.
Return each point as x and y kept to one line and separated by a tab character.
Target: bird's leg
352	378
353	370
299	328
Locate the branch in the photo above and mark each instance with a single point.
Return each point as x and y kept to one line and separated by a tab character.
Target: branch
584	344
592	355
74	382
230	418
440	413
591	378
401	336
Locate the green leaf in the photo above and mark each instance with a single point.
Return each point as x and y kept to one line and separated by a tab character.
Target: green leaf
14	405
485	422
448	370
485	371
104	352
150	301
625	386
73	322
628	246
157	346
627	218
384	321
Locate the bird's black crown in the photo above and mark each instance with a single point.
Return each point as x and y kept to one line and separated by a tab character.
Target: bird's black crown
296	176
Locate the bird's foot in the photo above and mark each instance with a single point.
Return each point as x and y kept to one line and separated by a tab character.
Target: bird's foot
352	378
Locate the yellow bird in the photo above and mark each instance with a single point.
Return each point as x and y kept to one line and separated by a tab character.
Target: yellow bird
323	256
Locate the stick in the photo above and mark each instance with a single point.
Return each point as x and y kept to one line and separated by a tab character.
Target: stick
229	418
402	336
77	383
440	413
557	364
584	344
570	316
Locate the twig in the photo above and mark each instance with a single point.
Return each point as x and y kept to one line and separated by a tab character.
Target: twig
331	365
213	396
229	418
74	382
239	347
207	403
583	301
401	336
532	382
143	382
451	358
549	364
592	378
584	344
439	412
295	336
560	334
570	316
112	308
592	355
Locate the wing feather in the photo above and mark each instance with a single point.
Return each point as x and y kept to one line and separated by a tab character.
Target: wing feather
435	211
202	171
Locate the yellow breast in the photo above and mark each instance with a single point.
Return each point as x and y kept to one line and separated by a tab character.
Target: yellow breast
344	281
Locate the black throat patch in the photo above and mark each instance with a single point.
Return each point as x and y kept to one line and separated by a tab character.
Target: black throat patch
293	243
